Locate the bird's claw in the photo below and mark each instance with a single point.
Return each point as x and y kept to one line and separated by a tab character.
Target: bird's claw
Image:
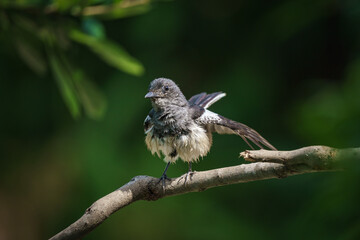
189	175
162	179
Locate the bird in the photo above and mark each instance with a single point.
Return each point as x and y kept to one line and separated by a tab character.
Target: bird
179	128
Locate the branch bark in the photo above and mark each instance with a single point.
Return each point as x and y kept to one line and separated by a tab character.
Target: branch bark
268	164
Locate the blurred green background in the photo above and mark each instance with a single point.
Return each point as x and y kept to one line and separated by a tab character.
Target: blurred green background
73	75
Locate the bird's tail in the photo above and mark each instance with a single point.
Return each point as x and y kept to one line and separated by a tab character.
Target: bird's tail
245	132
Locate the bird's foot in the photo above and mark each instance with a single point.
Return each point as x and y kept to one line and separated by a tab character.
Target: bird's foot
189	175
162	179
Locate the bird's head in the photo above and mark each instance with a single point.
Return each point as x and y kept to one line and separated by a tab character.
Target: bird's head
164	92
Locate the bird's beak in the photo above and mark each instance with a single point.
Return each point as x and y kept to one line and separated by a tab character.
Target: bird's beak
150	95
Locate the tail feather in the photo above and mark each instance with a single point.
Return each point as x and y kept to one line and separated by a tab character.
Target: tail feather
249	133
246	132
217	123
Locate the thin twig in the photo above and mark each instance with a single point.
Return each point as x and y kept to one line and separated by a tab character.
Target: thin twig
104	9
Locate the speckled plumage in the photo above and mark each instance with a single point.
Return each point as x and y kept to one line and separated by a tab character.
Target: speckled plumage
178	128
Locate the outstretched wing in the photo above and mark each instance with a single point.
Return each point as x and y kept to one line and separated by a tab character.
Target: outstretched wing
216	123
206	100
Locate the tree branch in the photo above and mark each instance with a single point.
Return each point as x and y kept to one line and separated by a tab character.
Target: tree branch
273	164
105	9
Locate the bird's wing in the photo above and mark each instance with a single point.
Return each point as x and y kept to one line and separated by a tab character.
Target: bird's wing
216	123
148	125
206	100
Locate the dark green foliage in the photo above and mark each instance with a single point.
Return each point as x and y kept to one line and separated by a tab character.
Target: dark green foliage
45	32
291	70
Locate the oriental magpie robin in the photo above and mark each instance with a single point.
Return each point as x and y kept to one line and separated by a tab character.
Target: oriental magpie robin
181	128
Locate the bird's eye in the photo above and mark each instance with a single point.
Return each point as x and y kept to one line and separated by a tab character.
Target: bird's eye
166	88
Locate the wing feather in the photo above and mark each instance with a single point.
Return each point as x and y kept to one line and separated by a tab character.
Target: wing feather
196	99
206	100
222	125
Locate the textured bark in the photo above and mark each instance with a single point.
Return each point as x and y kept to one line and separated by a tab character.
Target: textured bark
268	164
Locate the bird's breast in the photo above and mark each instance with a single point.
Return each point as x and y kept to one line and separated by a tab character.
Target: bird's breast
188	145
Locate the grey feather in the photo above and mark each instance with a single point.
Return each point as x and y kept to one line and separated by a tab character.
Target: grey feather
180	128
219	124
206	100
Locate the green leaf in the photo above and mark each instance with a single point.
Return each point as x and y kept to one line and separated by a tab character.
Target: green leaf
117	13
31	56
76	89
93	27
110	52
25	23
63	5
117	9
92	99
29	49
65	83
